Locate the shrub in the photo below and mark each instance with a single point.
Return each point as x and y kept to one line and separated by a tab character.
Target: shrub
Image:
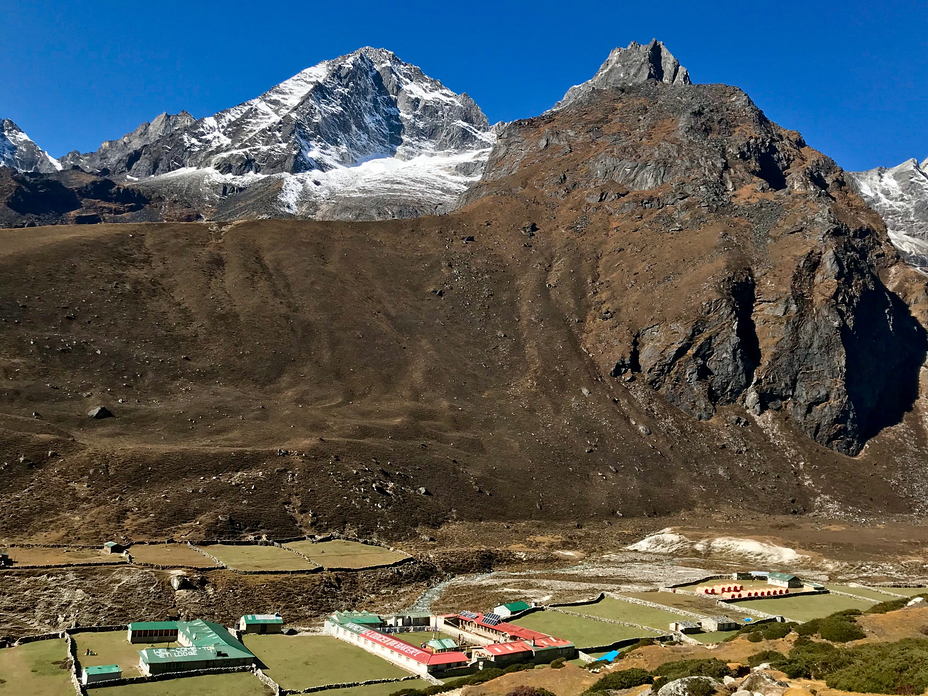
529	691
886	668
755	637
701	687
558	663
840	627
624	679
771	656
711	667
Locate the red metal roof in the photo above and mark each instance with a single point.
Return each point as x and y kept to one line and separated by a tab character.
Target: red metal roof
412	651
507	648
542	640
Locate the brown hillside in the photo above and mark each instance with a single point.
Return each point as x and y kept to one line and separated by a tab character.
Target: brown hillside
587	338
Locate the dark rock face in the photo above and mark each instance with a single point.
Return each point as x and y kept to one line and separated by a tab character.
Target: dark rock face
72	196
118	157
100	412
629	66
848	366
739	266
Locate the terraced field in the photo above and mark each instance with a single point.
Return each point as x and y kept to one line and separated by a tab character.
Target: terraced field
581	631
618	610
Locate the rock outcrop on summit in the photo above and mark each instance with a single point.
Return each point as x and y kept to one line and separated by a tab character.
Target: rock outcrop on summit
629	66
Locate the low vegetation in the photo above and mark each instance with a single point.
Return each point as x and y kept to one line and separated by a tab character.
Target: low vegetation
480	677
840	627
757	632
623	679
882	668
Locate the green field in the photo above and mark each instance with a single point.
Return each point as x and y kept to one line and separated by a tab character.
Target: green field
716	637
907	591
862	592
36	669
580	631
298	662
379	689
346	554
610	608
112	648
170	555
258	557
808	607
699	605
239	684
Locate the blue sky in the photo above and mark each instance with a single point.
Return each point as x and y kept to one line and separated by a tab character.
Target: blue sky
850	76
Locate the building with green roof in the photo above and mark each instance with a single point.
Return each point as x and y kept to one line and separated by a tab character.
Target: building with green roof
504	611
204	645
153	632
261	623
361	618
439	645
100	673
783	580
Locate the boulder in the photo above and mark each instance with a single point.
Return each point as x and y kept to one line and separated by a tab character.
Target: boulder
100	412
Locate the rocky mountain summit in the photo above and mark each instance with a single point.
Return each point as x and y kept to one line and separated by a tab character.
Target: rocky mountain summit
736	263
18	152
900	195
361	136
629	66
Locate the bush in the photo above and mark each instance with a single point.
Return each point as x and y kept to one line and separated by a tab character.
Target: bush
771	630
837	628
771	656
529	691
711	667
624	679
558	663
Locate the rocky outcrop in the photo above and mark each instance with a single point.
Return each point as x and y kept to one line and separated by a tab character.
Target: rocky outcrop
736	264
119	157
900	195
629	66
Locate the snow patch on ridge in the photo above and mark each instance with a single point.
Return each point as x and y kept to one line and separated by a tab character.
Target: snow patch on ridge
669	542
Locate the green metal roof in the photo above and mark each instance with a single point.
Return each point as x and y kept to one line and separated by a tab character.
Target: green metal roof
103	669
781	576
111	543
517	606
442	644
208	641
262	619
357	617
153	626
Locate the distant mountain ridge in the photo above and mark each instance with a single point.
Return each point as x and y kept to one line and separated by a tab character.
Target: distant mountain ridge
900	195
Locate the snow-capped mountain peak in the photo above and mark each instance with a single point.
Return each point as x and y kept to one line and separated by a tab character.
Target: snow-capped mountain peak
900	195
18	152
367	111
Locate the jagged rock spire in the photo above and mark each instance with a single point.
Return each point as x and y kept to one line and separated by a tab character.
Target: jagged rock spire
629	66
